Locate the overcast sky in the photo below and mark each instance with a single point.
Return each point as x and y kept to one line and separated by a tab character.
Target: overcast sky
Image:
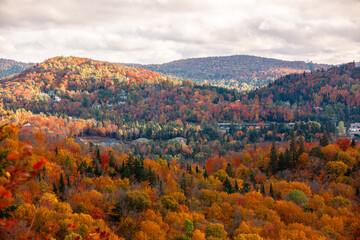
158	31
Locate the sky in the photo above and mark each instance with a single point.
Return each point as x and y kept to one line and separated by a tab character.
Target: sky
159	31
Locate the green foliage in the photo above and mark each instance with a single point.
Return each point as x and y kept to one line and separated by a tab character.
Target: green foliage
216	231
137	201
170	203
298	197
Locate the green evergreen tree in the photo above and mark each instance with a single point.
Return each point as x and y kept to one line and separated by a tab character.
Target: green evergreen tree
272	194
274	162
227	186
112	162
55	188
184	185
246	187
206	175
282	162
324	141
236	187
353	143
62	185
229	170
262	190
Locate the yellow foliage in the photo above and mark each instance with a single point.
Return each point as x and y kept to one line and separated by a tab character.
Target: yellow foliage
248	236
198	235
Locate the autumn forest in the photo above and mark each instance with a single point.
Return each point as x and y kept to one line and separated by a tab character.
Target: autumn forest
98	150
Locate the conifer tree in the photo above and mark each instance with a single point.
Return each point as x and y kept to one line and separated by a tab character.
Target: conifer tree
236	187
353	143
262	190
206	175
227	186
246	187
293	153
112	160
324	141
282	162
55	188
272	194
62	184
274	162
229	170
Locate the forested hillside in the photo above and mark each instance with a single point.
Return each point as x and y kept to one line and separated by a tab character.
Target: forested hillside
94	150
334	92
11	67
241	72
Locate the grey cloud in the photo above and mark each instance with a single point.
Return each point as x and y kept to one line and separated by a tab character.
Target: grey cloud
155	31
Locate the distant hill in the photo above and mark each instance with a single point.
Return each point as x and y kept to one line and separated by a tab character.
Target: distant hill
241	72
9	67
334	92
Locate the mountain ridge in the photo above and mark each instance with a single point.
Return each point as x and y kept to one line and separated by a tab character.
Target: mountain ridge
242	72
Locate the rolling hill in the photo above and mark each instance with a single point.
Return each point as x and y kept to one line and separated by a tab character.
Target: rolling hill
10	67
241	72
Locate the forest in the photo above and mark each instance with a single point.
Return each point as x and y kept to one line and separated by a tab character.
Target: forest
189	161
241	72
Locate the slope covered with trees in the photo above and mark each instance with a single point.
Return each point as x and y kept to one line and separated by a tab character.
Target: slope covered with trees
241	72
334	92
11	67
174	172
55	188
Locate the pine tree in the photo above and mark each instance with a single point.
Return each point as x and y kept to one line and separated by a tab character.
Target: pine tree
161	188
274	162
353	143
197	169
282	162
229	170
272	194
62	185
262	190
206	175
184	185
98	157
324	141
55	188
227	186
246	187
112	160
236	187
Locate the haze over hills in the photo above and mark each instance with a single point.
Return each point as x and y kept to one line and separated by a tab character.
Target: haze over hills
9	67
241	72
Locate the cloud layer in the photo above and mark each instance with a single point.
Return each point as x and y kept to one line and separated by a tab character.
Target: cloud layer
157	31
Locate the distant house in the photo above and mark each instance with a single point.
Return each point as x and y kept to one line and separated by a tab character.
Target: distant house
287	103
354	127
96	105
110	104
179	139
141	140
57	99
121	102
27	125
319	108
51	92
